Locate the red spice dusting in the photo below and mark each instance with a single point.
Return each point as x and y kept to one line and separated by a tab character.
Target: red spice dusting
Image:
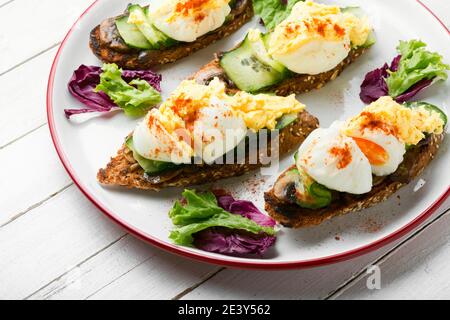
343	154
184	7
221	192
321	26
190	120
337	238
200	17
253	185
307	25
151	121
181	105
371	121
321	30
307	159
289	29
292	29
187	109
339	31
154	124
371	226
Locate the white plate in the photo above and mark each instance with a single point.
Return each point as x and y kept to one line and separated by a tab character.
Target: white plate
84	148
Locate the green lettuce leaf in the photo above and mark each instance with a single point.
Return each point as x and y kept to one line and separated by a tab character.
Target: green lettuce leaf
202	212
149	166
135	98
416	64
273	12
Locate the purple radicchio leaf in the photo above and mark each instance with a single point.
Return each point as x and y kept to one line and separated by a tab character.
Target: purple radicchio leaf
414	90
374	85
151	77
235	242
229	242
246	209
82	85
86	78
395	63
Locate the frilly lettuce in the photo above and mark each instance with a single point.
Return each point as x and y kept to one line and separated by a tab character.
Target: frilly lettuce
203	223
273	12
413	70
108	88
416	64
135	98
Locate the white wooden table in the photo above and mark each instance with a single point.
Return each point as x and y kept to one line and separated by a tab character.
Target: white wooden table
54	244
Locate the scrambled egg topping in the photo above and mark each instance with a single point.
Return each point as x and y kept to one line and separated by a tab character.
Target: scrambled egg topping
408	125
359	28
262	110
258	111
310	21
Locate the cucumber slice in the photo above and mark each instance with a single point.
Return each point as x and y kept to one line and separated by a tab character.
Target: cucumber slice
259	50
246	71
303	190
149	166
429	107
131	34
139	18
286	120
358	12
164	39
371	40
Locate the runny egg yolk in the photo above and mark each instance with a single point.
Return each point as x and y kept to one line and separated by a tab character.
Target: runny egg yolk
376	154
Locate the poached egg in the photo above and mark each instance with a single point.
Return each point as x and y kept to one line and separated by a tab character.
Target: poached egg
384	128
187	20
315	38
335	161
204	121
344	156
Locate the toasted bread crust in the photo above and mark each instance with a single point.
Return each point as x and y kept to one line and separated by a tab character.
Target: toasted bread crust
108	47
124	171
297	84
293	216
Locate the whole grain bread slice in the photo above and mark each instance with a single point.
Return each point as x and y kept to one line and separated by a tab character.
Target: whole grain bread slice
123	170
415	161
107	44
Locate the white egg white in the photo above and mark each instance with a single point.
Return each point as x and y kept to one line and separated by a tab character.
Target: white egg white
186	28
323	166
217	131
152	141
315	56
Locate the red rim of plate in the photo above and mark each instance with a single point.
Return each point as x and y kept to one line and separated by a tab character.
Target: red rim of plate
225	260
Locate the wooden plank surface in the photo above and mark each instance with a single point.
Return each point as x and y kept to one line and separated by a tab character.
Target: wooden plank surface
154	274
50	21
22	98
54	244
417	270
41	174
